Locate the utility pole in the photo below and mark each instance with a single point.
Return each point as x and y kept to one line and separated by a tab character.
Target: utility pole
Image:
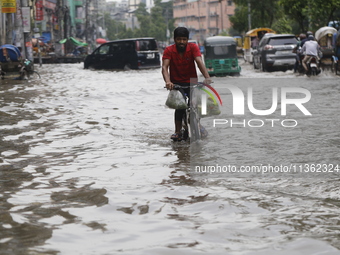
249	16
59	14
2	29
26	25
37	36
186	13
199	20
8	8
217	18
9	28
167	26
67	23
221	15
208	20
86	19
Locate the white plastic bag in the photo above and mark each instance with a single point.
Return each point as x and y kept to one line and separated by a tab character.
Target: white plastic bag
176	100
212	107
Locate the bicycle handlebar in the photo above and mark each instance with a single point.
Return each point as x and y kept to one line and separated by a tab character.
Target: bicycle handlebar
198	84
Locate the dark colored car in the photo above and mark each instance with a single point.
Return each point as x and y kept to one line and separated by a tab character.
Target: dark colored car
136	53
275	52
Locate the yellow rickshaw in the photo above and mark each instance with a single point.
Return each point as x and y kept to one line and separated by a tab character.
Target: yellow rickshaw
251	40
239	45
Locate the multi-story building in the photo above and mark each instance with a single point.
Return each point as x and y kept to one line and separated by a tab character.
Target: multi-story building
77	15
203	18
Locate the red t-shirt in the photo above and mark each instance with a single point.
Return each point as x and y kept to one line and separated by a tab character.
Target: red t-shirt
182	68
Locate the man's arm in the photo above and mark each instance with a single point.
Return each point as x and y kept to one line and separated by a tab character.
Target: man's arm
203	70
166	75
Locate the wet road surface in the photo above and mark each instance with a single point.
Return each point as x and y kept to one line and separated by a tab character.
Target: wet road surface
87	167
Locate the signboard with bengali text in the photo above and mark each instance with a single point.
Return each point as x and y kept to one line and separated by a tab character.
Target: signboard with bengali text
8	6
39	10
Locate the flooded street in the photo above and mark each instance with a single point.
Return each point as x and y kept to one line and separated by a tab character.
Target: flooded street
87	167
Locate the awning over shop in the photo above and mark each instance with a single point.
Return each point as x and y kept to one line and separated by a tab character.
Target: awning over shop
74	41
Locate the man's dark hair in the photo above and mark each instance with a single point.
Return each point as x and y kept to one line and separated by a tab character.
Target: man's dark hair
181	32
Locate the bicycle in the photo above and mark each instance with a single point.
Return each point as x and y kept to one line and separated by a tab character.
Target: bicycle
191	127
27	70
12	63
24	69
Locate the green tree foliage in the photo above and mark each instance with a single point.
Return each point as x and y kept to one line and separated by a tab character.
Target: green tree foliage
144	21
263	14
282	26
297	11
154	24
321	12
311	15
285	15
240	19
114	28
158	28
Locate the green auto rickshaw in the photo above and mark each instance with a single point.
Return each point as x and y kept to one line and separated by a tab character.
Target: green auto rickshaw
220	56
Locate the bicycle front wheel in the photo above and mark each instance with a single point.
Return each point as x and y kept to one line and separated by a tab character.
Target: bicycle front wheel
195	133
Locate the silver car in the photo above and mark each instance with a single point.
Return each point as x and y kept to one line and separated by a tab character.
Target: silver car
275	52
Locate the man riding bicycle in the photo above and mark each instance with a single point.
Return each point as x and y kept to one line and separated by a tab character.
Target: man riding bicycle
178	67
